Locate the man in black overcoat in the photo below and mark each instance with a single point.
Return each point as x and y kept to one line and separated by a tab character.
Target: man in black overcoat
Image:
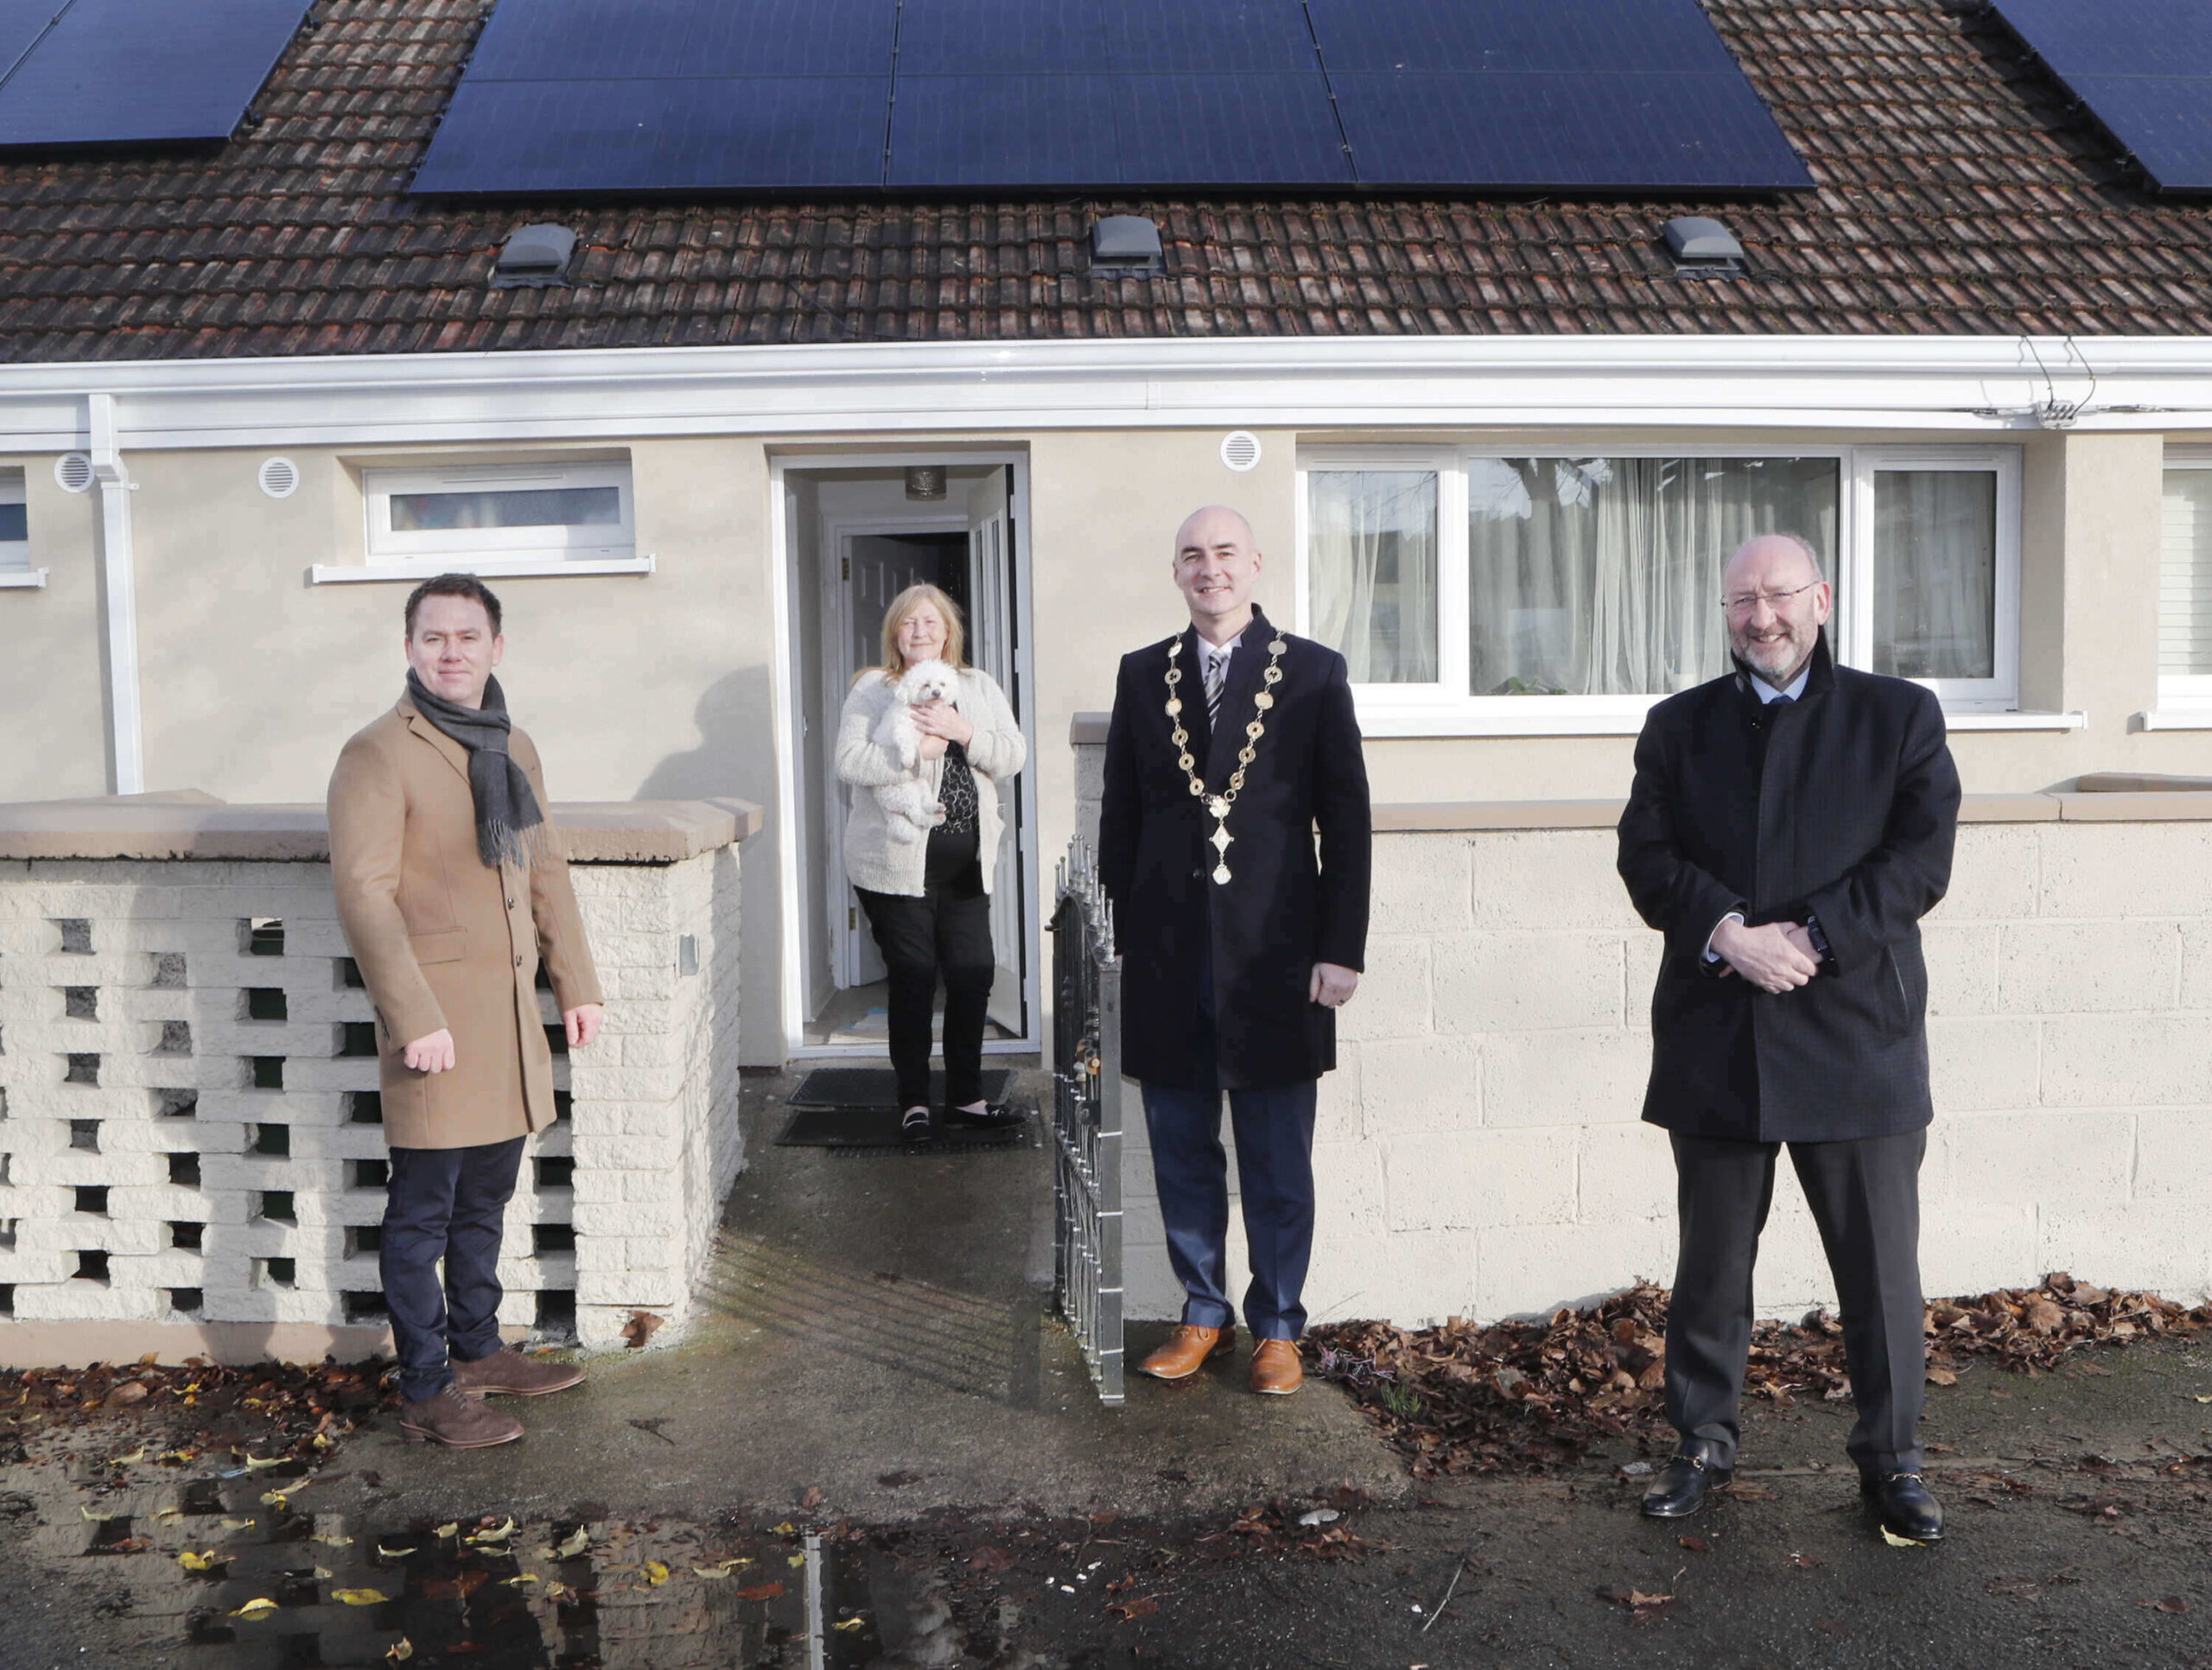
1791	824
1238	944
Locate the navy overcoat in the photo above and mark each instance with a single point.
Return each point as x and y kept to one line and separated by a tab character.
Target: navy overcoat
1843	804
1284	908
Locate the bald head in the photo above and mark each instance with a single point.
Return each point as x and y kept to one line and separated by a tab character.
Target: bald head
1780	561
1776	604
1216	564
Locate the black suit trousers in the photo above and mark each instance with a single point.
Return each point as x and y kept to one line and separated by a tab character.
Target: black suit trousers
1865	1194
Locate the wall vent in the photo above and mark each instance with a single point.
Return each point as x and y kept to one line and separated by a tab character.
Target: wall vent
1240	450
280	477
73	470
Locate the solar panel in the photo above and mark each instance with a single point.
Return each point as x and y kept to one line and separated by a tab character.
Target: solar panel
931	95
2143	67
122	71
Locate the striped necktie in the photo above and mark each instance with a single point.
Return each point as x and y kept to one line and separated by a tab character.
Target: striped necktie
1217	680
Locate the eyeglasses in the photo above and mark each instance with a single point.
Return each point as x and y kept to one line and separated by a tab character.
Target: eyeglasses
1744	602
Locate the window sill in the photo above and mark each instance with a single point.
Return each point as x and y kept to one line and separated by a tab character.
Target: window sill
2172	718
486	567
22	580
1403	726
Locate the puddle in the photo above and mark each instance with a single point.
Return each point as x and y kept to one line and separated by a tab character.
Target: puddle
236	1574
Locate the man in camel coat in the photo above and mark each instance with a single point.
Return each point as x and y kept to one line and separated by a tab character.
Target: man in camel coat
452	888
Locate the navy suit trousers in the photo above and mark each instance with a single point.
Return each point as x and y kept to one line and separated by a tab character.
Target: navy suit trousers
444	1203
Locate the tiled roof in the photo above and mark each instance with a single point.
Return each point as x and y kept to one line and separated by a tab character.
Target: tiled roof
1957	195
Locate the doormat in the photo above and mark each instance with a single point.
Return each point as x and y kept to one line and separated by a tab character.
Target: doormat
875	1131
858	1088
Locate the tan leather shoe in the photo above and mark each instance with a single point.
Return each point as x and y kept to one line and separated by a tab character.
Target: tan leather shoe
1276	1371
508	1372
1187	1349
455	1418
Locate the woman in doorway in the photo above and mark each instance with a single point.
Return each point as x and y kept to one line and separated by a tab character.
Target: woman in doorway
928	901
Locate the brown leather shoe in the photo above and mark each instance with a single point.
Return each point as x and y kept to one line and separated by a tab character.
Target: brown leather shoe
508	1372
453	1418
1187	1349
1276	1371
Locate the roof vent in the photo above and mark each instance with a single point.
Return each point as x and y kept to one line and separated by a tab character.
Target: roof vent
534	258
1127	245
1703	247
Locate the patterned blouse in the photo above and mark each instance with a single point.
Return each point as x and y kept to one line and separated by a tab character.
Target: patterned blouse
957	792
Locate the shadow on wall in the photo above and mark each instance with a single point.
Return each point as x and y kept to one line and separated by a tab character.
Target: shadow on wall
736	752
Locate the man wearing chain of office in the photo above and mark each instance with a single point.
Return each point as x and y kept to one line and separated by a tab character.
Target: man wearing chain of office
1232	743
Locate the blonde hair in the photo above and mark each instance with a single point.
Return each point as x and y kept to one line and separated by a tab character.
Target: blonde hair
956	642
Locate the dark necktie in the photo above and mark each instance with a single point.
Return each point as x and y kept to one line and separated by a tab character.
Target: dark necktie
1216	680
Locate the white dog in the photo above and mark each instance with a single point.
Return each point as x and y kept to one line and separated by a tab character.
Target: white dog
909	808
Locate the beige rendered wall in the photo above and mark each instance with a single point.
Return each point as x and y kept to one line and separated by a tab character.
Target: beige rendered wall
52	676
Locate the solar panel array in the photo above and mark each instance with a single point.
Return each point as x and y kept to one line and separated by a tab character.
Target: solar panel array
135	71
632	96
2143	67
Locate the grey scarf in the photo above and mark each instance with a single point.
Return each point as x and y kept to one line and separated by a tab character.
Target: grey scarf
509	824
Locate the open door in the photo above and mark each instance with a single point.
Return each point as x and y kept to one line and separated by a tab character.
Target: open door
992	647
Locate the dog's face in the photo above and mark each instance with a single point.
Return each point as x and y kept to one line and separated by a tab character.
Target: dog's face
928	681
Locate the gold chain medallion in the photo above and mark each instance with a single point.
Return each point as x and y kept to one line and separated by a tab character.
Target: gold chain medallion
1218	806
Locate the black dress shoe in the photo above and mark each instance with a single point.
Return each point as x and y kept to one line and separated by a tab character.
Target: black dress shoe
1906	1507
1680	1489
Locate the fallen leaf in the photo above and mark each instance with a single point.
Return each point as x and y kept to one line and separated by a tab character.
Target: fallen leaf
849	1623
451	1527
274	1498
400	1650
2173	1604
499	1533
192	1562
558	1591
1941	1377
91	1516
761	1591
656	1572
812	1498
786	1529
238	1524
139	1454
639	1328
991	1559
720	1571
1897	1541
573	1546
1806	1562
2206	1398
1695	1544
394	1551
796	1560
1142	1607
333	1542
254	1463
259	1607
1320	1516
124	1396
519	1579
460	1586
359	1596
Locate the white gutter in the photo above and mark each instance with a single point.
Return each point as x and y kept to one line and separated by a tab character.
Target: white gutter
1973	385
126	720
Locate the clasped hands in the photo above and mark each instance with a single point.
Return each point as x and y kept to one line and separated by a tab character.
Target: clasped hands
940	724
435	1053
1774	956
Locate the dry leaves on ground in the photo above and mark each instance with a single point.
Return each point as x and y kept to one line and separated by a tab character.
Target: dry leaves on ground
1525	1396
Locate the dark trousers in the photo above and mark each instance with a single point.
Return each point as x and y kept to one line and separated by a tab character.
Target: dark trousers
1274	1172
947	930
444	1203
1866	1200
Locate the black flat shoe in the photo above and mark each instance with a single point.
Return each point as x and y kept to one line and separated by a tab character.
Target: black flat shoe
987	1119
916	1125
1680	1488
1904	1504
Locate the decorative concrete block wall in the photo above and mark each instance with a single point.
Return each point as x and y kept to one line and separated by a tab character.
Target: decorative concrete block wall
190	1142
1480	1150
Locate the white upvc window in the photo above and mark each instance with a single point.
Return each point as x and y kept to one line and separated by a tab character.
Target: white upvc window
2185	581
1550	592
486	516
15	534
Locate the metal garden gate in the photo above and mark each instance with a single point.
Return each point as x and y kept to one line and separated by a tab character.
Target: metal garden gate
1087	1116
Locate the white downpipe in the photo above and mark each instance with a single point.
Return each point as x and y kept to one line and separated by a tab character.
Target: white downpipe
126	722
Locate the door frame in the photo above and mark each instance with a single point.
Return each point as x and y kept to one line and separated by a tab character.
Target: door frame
801	822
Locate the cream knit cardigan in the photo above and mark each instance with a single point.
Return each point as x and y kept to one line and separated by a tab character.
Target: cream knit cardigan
873	860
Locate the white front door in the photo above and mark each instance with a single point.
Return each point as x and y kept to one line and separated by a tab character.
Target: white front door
992	647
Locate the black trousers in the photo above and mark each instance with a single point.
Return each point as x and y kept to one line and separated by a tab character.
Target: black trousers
444	1203
1866	1199
946	931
